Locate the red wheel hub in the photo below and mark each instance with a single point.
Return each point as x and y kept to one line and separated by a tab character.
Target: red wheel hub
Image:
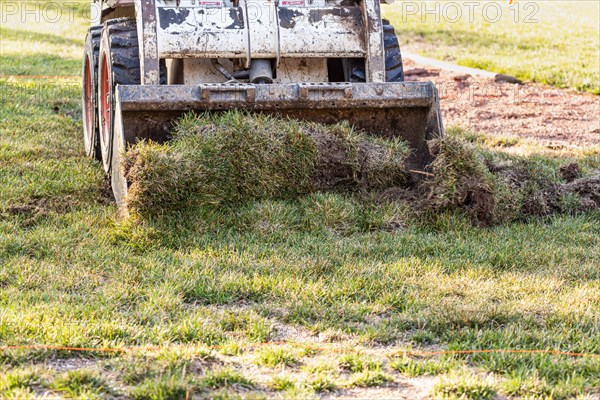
105	102
88	99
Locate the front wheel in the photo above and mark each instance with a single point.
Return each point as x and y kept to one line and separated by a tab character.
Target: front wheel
118	180
118	65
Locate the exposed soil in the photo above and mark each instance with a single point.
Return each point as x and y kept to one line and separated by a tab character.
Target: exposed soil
333	170
587	188
548	198
343	163
570	172
70	364
501	106
553	116
39	207
406	389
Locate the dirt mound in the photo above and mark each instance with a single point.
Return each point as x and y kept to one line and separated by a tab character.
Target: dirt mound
586	189
351	160
570	172
528	190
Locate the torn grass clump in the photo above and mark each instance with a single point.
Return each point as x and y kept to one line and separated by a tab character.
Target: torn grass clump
494	188
233	157
460	180
533	188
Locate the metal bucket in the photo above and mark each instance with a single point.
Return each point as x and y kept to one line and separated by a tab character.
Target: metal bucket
405	109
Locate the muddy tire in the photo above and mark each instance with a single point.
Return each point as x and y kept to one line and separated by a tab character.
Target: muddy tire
394	70
118	65
89	98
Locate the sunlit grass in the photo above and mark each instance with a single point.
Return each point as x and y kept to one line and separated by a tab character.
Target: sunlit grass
525	42
211	286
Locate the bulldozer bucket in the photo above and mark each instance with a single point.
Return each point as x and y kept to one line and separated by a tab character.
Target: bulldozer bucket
404	109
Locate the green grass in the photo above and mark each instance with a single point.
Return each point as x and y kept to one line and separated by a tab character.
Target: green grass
226	378
275	358
356	363
81	383
526	49
465	386
42	38
17	383
72	273
369	378
170	388
282	383
411	367
321	383
230	158
521	385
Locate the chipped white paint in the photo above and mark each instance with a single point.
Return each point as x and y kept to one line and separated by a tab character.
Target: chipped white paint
263	31
322	32
147	38
259	29
375	59
202	32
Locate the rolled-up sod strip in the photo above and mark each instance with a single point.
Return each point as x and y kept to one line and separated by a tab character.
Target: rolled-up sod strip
233	157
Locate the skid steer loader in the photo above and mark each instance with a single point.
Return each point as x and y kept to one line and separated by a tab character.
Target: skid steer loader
149	61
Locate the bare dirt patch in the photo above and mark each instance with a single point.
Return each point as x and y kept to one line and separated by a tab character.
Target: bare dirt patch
70	364
552	116
40	207
404	389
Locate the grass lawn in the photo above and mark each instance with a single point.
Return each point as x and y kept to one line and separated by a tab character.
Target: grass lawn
350	287
552	42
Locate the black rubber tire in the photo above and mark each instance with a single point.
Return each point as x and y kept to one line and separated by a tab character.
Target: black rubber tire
119	48
394	70
89	95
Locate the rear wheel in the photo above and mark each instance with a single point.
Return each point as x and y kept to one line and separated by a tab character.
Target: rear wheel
394	70
89	92
118	65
